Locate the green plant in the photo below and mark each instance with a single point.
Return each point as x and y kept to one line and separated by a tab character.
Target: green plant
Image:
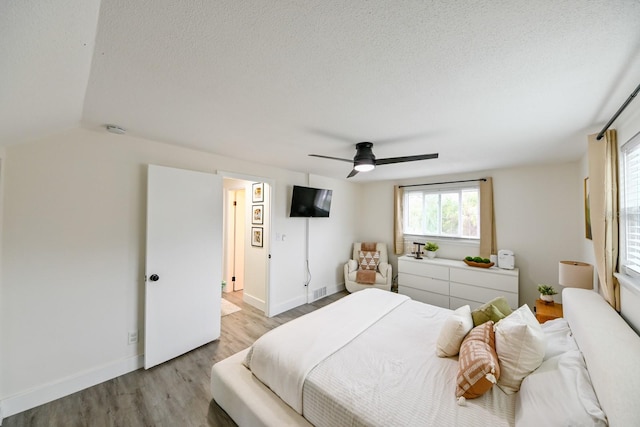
478	259
546	290
431	246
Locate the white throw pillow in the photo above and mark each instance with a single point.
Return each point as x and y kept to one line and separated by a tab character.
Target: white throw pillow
353	265
455	328
520	345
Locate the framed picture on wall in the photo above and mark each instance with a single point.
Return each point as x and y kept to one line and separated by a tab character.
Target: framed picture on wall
587	211
257	193
256	215
256	236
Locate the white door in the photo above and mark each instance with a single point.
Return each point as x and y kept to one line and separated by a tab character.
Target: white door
184	262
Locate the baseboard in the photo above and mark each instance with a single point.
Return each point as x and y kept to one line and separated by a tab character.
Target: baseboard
335	289
288	305
46	393
298	301
253	301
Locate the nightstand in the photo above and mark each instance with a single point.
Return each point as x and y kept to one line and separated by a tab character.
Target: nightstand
547	311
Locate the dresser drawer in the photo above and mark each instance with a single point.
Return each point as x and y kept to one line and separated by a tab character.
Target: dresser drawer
451	283
424	296
423	283
480	294
459	302
423	268
485	279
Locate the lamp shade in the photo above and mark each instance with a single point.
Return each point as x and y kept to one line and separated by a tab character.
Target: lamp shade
575	274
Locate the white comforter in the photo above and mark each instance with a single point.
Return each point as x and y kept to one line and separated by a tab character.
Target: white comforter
283	358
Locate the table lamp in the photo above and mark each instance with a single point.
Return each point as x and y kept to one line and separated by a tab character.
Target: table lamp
575	274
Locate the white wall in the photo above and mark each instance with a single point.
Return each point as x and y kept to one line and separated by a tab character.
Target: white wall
73	255
331	239
256	261
538	216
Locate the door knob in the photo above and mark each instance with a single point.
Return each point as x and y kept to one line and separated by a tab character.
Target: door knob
154	277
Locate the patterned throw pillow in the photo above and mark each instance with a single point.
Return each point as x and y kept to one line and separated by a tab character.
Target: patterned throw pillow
478	368
369	260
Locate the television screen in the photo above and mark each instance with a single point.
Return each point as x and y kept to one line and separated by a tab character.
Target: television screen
310	202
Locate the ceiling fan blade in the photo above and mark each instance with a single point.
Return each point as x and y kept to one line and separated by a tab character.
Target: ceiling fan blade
353	173
332	158
403	159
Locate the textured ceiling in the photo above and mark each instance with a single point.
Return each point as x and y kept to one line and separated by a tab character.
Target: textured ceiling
46	49
487	84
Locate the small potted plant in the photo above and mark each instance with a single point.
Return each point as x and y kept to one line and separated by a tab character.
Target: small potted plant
431	248
223	284
546	293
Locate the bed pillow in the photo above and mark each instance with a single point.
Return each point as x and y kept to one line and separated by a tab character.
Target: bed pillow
478	367
455	328
520	345
559	392
496	310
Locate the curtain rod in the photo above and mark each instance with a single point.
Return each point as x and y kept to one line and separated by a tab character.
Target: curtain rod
447	182
620	110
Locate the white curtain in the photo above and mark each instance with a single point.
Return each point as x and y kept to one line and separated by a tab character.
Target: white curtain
603	207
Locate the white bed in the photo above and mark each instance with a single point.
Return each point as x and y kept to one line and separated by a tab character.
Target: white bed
366	360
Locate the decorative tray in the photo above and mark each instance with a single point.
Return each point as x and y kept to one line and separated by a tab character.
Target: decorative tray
478	264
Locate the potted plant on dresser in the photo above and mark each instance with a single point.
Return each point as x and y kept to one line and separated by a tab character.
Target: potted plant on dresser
431	249
546	293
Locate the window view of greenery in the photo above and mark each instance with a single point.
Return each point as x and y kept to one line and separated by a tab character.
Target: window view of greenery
446	213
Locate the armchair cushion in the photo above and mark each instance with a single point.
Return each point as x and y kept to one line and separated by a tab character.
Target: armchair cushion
352	265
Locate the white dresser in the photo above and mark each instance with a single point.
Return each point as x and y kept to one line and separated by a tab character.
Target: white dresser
451	283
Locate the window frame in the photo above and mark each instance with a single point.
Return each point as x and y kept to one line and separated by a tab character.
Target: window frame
626	267
438	189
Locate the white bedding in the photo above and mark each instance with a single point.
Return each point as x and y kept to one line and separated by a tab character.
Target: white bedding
390	375
283	357
369	359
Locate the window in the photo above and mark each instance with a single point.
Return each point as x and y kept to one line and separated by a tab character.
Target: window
630	206
443	211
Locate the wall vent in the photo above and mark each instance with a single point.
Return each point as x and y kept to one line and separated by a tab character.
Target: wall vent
319	293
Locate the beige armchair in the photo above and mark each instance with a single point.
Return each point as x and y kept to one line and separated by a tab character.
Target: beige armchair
383	274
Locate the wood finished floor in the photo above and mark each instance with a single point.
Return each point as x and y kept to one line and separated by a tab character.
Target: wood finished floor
175	393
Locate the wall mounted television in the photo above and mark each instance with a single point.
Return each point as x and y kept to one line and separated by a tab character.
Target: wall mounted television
310	202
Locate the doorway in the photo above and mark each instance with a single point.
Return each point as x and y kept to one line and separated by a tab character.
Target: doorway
245	261
235	232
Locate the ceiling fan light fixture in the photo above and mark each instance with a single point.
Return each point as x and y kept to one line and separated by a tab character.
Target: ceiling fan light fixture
364	160
364	166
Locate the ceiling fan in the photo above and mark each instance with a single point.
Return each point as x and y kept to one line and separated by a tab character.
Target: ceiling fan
364	160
